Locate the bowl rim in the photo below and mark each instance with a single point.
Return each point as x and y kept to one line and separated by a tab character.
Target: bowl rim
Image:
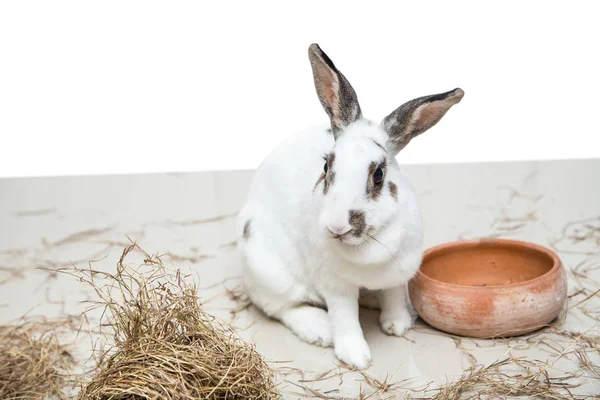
557	263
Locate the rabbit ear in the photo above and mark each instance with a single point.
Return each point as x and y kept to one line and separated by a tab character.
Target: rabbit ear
335	92
417	116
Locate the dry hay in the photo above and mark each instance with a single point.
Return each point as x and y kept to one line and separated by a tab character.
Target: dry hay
500	380
34	364
163	345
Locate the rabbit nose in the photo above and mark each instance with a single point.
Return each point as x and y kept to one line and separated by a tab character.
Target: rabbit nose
339	230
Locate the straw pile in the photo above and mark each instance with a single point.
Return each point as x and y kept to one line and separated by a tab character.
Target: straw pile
163	345
33	363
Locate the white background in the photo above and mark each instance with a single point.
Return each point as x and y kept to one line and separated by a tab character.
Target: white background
123	86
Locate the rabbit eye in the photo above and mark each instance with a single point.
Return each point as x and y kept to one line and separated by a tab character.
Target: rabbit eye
378	176
325	167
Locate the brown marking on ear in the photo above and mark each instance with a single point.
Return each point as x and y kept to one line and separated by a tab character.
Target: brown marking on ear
330	176
393	190
374	190
246	234
334	91
357	221
323	175
417	116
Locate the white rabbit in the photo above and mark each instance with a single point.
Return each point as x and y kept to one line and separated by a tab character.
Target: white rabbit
330	214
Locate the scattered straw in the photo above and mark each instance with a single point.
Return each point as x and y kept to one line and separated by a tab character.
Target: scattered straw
164	346
239	296
584	232
204	220
33	362
35	213
582	271
459	346
192	259
12	274
78	237
497	381
229	245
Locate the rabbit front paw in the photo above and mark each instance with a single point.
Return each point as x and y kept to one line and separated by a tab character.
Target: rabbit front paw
353	351
396	324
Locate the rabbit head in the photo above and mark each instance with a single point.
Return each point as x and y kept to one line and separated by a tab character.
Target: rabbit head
360	179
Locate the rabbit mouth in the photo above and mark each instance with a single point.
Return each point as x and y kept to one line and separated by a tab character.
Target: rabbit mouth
351	241
351	238
343	237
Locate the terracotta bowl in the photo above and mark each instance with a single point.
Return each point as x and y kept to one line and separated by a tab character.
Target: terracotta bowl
489	287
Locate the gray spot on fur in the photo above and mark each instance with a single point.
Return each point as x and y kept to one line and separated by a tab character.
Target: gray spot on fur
246	234
321	178
328	182
330	176
393	190
357	221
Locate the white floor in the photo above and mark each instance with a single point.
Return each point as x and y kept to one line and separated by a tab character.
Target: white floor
51	222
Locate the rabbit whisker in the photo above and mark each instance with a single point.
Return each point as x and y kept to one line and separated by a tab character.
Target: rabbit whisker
386	247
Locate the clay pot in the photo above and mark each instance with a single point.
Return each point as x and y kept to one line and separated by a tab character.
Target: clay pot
489	287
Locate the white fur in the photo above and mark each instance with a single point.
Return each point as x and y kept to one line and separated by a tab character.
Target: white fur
294	267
